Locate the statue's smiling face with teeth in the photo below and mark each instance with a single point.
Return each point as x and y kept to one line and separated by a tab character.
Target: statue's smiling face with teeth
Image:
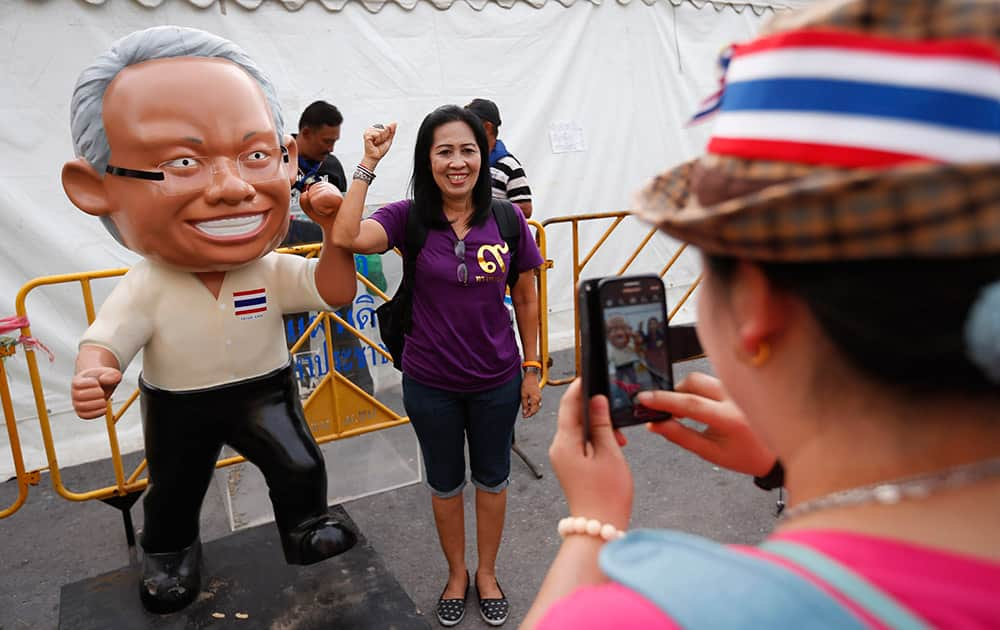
205	125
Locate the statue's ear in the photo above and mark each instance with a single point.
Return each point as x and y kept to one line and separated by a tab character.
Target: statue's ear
85	187
292	167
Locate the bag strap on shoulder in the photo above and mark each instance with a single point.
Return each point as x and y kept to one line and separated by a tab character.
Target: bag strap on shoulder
510	231
847	582
416	236
414	239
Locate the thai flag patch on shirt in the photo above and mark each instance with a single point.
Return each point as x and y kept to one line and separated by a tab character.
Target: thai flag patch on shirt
250	304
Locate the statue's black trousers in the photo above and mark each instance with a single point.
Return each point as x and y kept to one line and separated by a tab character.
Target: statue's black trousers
261	418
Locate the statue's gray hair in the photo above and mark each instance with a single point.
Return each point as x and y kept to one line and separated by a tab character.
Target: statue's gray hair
160	42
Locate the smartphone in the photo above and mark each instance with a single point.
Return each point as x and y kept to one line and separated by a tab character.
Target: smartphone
624	344
592	373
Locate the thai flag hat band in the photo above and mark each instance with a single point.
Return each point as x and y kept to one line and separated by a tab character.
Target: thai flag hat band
846	99
851	129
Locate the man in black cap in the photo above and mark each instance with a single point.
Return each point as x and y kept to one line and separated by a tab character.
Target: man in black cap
509	181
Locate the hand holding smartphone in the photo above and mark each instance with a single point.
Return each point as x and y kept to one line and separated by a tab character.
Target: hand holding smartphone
623	336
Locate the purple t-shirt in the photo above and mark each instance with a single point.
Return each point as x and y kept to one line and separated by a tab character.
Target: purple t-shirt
461	338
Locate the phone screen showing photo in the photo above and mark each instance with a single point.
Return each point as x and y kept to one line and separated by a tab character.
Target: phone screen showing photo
635	333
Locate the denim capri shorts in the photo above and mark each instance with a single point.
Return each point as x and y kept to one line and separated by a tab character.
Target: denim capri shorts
443	420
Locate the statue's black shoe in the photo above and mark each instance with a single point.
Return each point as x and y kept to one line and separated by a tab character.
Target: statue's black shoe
171	580
321	539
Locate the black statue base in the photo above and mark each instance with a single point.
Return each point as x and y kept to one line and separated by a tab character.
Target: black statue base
246	584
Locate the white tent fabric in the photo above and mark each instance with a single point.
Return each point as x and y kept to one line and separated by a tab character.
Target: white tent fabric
594	99
375	6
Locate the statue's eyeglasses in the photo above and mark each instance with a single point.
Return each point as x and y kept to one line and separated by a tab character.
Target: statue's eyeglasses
193	173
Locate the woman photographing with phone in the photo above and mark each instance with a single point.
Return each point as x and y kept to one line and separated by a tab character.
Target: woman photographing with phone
851	310
462	371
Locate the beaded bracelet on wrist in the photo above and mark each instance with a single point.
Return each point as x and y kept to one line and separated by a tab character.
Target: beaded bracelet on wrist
589	526
364	174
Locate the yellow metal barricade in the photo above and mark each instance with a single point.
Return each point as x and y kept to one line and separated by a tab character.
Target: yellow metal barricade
543	303
121	486
21	476
578	264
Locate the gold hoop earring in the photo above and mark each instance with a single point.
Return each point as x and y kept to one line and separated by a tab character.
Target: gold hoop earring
762	355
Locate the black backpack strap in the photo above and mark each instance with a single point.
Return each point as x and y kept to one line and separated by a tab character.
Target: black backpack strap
416	236
509	223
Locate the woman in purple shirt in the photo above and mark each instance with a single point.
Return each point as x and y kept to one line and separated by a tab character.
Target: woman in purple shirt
462	372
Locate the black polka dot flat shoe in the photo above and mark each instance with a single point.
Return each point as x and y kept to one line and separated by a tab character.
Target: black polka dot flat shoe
494	611
450	612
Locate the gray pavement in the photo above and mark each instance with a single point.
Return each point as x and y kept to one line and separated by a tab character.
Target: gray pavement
51	541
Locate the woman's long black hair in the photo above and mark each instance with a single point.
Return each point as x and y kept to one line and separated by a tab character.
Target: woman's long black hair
427	200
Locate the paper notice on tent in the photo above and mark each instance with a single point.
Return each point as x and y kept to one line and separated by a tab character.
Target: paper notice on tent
566	136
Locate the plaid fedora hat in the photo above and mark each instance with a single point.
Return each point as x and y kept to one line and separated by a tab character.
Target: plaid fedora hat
847	131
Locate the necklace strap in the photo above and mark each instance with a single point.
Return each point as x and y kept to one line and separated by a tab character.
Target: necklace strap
896	490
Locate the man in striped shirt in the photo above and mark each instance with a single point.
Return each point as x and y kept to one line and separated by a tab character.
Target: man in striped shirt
509	181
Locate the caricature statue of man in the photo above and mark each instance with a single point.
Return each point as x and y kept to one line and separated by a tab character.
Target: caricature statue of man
184	159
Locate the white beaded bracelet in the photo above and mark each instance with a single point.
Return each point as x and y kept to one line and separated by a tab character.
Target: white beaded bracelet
592	527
